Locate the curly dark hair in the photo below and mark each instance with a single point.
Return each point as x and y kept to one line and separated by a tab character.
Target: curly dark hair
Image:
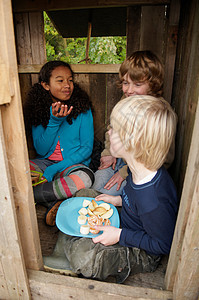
38	102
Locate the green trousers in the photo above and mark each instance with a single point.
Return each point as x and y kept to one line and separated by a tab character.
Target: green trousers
99	261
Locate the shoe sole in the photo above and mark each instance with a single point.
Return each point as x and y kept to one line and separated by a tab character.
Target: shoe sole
50	216
60	271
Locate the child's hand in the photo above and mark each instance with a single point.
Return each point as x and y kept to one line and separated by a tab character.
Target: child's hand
115	179
115	200
107	161
60	110
110	235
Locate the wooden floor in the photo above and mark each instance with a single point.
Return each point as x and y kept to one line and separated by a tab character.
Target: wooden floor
48	238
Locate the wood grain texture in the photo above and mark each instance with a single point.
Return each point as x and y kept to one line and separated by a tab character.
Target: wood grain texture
51	286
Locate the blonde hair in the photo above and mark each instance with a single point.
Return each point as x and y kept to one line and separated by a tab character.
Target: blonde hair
146	126
144	66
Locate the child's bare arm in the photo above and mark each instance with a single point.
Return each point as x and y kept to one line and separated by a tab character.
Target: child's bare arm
115	200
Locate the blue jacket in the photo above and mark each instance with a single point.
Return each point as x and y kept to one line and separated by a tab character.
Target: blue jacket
149	214
76	141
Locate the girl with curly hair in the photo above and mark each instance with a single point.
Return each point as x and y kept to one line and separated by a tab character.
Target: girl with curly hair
58	115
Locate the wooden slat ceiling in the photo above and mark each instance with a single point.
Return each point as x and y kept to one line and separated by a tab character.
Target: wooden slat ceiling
105	22
47	5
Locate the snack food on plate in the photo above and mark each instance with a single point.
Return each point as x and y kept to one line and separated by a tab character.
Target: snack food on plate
84	229
105	205
82	219
86	203
98	211
98	215
83	211
108	214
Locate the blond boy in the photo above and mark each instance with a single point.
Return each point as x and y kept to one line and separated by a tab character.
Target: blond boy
142	130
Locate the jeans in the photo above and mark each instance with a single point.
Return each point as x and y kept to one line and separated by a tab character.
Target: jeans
103	176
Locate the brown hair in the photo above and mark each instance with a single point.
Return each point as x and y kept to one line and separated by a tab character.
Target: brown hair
144	66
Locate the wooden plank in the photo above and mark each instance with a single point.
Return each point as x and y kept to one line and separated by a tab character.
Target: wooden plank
153	30
172	35
37	41
5	88
133	27
186	86
25	81
16	148
23	38
190	184
52	286
102	68
13	277
42	5
186	284
114	94
30	40
95	86
36	27
98	96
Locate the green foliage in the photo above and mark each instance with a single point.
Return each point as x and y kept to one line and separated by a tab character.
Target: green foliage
102	50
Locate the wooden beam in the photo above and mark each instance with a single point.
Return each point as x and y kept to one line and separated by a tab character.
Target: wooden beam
13	277
186	216
51	286
186	284
16	148
46	5
33	68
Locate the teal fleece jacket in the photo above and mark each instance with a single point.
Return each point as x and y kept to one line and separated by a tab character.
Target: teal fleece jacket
76	141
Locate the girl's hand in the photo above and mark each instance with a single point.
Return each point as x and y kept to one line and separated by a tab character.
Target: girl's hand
115	179
115	200
107	161
60	110
110	235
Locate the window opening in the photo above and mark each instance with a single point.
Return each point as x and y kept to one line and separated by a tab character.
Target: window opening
95	50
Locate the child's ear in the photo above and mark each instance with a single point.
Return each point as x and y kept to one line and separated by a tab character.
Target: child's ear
45	86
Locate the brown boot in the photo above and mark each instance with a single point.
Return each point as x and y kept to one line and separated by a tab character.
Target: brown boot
51	213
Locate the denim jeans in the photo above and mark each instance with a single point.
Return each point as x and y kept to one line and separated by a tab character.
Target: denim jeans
103	176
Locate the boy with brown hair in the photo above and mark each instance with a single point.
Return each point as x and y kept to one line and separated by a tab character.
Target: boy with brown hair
140	74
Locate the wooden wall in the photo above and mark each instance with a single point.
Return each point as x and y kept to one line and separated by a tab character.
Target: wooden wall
148	27
20	248
186	85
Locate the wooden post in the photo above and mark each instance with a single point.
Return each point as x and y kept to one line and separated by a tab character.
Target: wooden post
186	284
13	277
185	245
16	154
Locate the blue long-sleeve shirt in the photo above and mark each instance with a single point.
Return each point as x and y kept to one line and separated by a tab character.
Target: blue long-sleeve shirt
149	214
76	141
